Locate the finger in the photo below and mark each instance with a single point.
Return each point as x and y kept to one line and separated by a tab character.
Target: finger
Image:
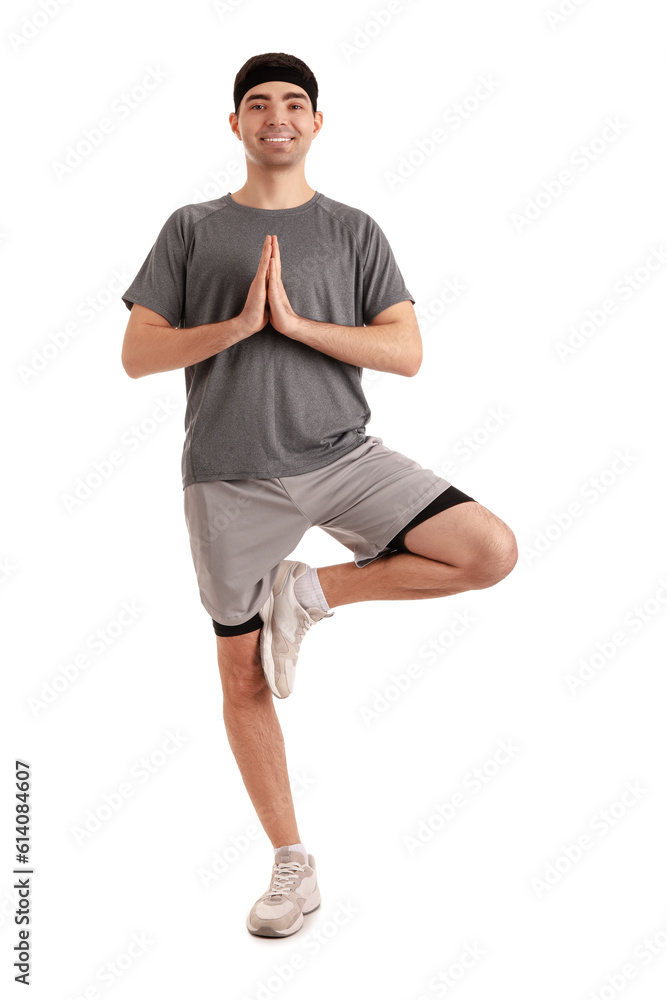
266	255
263	269
275	287
265	244
276	257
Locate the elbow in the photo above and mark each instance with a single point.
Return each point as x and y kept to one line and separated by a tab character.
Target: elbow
132	345
128	367
126	357
415	365
414	355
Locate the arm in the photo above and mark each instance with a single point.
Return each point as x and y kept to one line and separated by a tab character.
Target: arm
149	348
390	343
152	344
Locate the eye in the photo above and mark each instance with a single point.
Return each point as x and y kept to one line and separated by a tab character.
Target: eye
253	106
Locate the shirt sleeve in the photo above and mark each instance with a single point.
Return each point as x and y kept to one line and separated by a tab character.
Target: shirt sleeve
160	282
383	283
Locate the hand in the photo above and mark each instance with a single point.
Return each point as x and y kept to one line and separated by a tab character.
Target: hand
283	318
255	313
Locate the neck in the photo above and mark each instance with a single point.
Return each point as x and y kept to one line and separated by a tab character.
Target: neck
277	189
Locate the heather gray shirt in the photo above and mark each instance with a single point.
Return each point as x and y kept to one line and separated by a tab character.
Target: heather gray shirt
269	406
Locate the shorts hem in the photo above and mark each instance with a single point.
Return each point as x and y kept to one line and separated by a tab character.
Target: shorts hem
239	620
400	522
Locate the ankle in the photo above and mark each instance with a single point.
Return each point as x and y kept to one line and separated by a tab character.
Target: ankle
329	577
308	591
285	841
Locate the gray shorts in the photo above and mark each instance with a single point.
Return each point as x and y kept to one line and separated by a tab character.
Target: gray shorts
241	529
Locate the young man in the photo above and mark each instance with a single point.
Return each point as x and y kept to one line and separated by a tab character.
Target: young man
274	299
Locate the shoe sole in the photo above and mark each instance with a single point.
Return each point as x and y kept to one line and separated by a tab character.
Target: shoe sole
274	676
266	931
265	639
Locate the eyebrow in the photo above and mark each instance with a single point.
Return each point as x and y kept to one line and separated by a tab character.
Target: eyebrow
267	97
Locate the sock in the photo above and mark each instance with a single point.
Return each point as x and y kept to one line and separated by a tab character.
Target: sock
308	592
292	847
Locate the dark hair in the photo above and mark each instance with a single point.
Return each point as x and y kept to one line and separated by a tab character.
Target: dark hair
278	59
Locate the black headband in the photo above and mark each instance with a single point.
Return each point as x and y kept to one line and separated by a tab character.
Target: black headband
265	73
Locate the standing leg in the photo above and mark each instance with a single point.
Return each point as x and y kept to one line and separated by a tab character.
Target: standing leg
255	736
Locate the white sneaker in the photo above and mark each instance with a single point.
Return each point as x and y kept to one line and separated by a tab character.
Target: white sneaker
292	892
285	624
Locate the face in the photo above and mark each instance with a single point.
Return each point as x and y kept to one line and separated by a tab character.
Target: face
276	123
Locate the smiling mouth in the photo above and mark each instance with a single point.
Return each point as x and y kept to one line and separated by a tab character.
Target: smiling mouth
279	139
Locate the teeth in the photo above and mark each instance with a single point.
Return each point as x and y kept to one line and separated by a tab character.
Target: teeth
286	139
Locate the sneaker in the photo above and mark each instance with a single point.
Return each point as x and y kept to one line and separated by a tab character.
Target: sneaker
285	624
292	892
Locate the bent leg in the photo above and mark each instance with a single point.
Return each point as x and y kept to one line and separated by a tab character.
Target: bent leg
470	537
255	736
465	547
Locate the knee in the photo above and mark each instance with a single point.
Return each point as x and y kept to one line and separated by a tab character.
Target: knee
498	559
241	671
242	691
244	701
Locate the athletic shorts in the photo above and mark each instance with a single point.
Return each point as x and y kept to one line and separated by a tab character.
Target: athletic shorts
241	529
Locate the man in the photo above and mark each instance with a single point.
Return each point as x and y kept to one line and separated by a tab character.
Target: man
274	299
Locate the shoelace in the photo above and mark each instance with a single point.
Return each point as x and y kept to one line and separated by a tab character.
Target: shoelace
302	628
284	875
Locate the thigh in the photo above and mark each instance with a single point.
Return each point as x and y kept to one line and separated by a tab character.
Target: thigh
239	531
443	501
468	536
364	498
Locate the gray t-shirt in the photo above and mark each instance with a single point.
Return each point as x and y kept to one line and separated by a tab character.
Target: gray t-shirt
269	406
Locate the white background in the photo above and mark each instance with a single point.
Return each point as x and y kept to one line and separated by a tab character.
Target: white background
494	879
